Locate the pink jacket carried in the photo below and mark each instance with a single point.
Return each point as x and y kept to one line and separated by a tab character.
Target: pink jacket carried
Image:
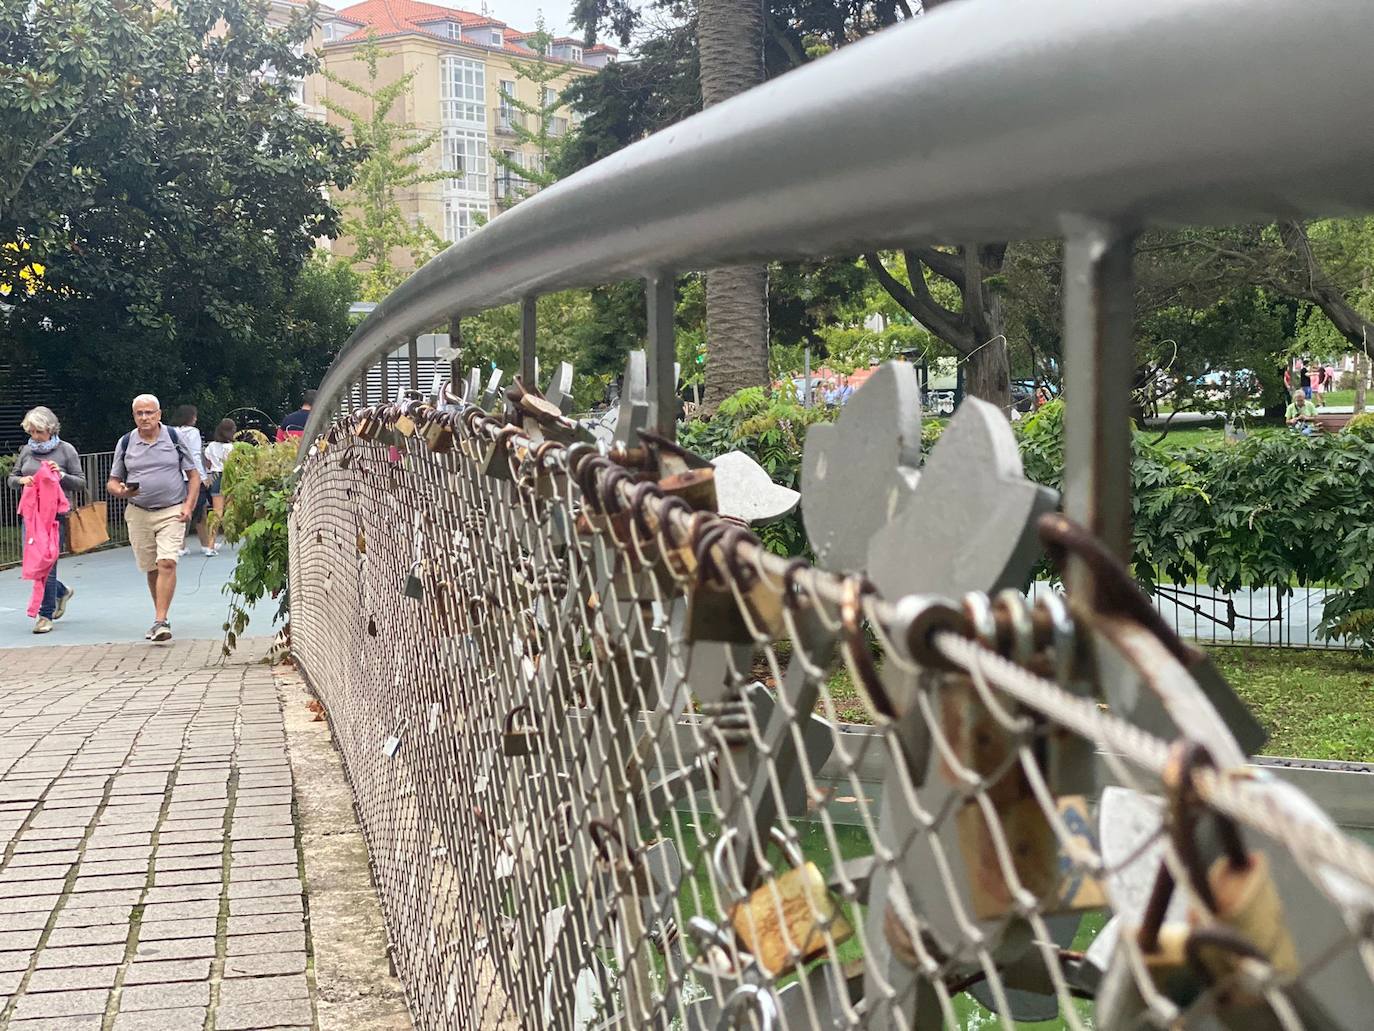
39	506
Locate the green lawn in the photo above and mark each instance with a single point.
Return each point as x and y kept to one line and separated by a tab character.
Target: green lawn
1316	703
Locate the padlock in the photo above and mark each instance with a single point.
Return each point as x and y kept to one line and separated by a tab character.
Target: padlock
716	606
438	433
519	740
405	425
415	585
792	911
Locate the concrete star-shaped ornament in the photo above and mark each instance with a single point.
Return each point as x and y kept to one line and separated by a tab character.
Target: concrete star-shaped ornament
970	525
859	472
745	491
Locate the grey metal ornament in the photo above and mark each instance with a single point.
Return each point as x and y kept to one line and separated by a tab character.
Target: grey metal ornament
745	491
633	413
971	524
559	392
860	472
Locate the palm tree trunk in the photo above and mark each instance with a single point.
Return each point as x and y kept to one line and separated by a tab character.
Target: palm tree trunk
730	42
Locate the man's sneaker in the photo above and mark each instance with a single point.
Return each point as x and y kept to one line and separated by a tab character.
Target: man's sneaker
160	631
183	552
60	609
209	552
43	625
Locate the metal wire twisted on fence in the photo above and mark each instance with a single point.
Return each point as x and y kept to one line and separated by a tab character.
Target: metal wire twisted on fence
597	739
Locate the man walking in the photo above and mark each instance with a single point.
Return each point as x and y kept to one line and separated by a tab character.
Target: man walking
293	425
148	469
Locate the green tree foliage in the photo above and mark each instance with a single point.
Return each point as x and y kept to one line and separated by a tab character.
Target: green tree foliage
395	161
534	125
172	192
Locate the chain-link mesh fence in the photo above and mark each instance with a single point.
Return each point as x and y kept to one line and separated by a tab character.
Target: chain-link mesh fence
601	750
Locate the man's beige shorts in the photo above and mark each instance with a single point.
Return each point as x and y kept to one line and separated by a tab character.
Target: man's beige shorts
155	535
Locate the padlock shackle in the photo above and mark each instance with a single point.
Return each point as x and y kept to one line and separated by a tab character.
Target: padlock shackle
1184	803
856	646
508	726
603	830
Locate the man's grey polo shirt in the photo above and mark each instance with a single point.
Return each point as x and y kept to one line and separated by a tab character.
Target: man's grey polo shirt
156	467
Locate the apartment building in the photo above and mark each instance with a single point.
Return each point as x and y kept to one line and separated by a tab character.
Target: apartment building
465	71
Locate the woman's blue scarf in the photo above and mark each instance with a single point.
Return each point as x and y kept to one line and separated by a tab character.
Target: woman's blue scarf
44	447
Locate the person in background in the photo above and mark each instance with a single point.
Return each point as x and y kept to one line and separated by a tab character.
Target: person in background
293	425
1329	378
184	420
153	469
1301	414
215	453
45	447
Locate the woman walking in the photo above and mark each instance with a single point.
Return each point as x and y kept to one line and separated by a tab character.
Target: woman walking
46	450
215	454
184	420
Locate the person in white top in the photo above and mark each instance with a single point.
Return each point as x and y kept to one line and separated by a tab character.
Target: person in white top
215	453
184	419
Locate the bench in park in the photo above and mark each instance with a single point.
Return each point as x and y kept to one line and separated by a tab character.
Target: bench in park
1332	422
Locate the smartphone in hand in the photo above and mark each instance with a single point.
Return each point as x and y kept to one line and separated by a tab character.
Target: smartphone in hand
131	488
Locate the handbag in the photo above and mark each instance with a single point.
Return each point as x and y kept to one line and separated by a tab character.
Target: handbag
87	527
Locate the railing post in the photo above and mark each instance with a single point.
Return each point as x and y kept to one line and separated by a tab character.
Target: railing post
413	360
455	343
528	359
1099	363
661	356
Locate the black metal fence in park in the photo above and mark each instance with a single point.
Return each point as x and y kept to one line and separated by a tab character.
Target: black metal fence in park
96	466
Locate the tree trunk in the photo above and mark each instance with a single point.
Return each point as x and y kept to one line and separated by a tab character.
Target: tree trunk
730	44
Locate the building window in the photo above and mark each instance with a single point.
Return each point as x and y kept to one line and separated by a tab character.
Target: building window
463	91
453	30
508	115
462	218
465	154
496	37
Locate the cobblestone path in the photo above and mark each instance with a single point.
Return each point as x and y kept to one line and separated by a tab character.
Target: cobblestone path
150	874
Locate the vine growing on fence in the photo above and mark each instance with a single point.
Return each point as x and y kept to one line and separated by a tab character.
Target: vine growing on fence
257	492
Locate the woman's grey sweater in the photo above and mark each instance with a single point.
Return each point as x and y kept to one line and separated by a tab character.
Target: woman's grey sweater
64	455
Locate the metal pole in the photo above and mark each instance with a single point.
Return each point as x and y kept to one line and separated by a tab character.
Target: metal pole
1099	360
413	359
455	341
662	380
806	381
528	320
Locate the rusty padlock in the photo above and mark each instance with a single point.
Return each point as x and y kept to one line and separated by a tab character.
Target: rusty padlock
415	584
366	426
438	433
522	739
729	601
791	918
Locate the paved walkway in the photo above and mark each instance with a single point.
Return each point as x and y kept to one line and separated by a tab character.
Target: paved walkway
112	603
150	874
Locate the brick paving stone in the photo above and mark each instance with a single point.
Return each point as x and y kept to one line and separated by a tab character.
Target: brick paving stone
175	878
167	971
114	840
210	837
184	893
88	1023
161	1020
94	916
196	910
22	859
263	889
184	948
204	823
284	1012
265	857
274	904
28	844
263	944
28	889
170	930
28	904
24	921
248	990
81	955
19	940
104	934
279	871
36	873
208	862
10	980
262	966
164	996
284	840
62	1004
138	853
266	923
69	979
105	899
198	848
101	882
114	867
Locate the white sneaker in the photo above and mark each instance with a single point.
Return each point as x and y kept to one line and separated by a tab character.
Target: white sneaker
183	552
209	552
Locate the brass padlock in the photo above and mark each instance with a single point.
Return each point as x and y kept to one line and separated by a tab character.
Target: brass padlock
519	740
366	427
793	911
716	606
438	434
405	425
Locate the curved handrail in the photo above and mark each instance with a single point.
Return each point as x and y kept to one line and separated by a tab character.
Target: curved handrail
987	120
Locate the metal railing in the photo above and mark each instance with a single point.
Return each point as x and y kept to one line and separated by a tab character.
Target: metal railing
594	729
96	466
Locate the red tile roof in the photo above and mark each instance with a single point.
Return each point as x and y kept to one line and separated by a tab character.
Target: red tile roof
397	17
